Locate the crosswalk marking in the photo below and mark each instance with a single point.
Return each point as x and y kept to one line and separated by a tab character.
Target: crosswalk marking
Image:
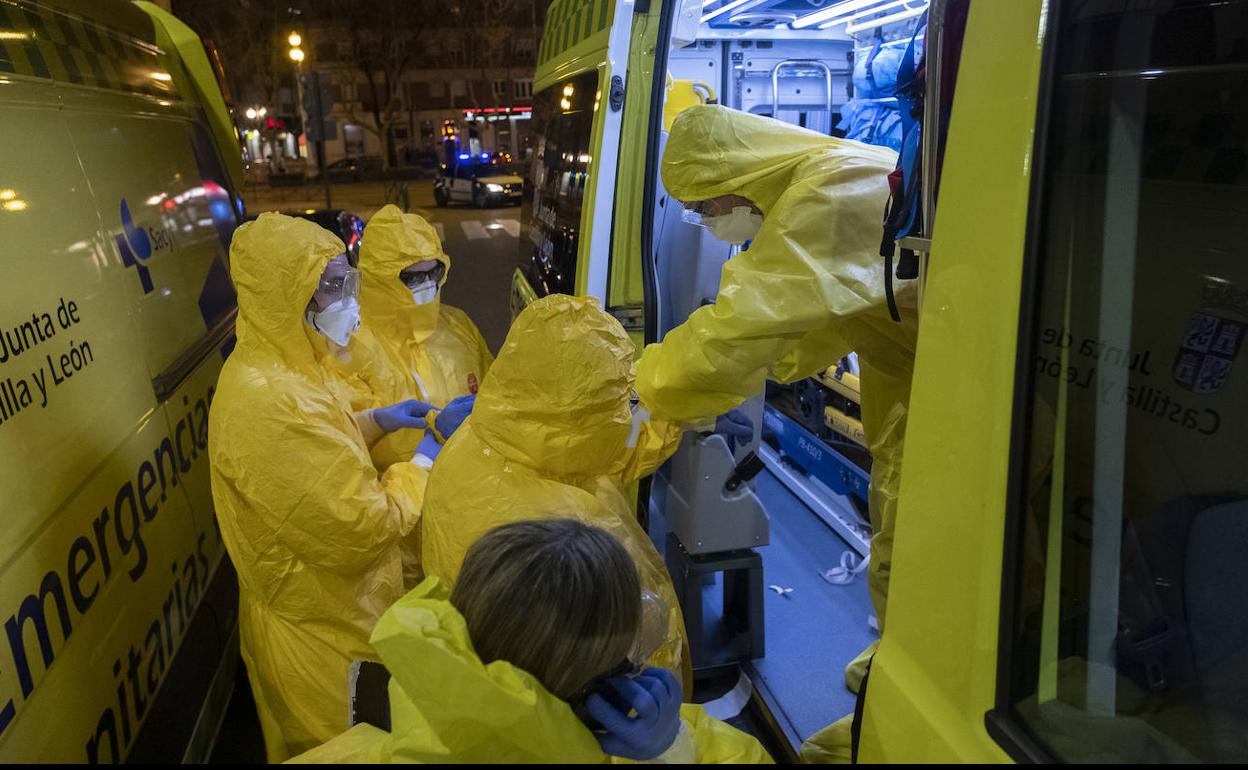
475	230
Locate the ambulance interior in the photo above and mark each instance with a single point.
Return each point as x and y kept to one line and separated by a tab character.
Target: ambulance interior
807	516
1165	105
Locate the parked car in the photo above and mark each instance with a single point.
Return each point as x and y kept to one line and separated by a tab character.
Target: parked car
354	169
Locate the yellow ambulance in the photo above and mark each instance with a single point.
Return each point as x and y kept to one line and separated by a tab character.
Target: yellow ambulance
118	170
1068	572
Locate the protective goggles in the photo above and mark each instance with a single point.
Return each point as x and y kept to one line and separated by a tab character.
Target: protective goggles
333	288
413	278
655	617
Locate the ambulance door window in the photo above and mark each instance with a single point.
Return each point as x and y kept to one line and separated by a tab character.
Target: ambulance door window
562	125
1126	626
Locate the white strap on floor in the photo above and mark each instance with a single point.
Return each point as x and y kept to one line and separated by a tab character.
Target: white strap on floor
731	703
851	566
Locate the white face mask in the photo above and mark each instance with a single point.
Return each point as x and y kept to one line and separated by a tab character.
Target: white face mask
425	293
738	227
338	321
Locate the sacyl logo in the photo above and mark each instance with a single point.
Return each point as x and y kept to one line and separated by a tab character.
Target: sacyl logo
135	247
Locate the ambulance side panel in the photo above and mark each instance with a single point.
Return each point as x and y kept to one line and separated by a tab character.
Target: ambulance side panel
115	318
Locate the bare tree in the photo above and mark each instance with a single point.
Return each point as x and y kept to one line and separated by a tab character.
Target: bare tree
385	41
489	47
383	37
488	28
247	34
250	37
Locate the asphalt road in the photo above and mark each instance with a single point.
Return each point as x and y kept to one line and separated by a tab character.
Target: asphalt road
483	244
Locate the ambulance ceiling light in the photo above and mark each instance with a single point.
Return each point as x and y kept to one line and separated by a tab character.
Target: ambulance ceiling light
909	13
731	5
840	13
863	16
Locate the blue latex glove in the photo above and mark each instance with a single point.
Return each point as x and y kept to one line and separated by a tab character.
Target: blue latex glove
655	696
735	426
453	415
405	414
429	446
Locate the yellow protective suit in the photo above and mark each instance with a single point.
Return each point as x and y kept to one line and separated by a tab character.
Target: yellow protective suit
446	706
550	436
311	529
809	289
430	352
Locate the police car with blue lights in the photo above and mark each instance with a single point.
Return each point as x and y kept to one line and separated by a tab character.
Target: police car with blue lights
482	180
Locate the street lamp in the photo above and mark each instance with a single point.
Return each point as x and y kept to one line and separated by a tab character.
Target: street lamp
296	55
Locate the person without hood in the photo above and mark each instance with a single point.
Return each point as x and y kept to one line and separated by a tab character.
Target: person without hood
311	529
553	430
535	657
809	289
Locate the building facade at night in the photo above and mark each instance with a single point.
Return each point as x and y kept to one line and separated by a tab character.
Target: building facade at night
481	99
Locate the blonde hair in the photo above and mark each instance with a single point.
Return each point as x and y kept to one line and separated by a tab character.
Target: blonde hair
554	597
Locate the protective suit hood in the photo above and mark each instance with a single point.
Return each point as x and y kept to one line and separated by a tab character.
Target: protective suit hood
714	150
392	241
477	712
810	288
276	262
312	530
557	397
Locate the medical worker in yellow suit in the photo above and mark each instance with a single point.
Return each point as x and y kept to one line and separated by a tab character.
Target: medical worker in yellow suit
311	528
809	289
431	351
412	345
553	434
